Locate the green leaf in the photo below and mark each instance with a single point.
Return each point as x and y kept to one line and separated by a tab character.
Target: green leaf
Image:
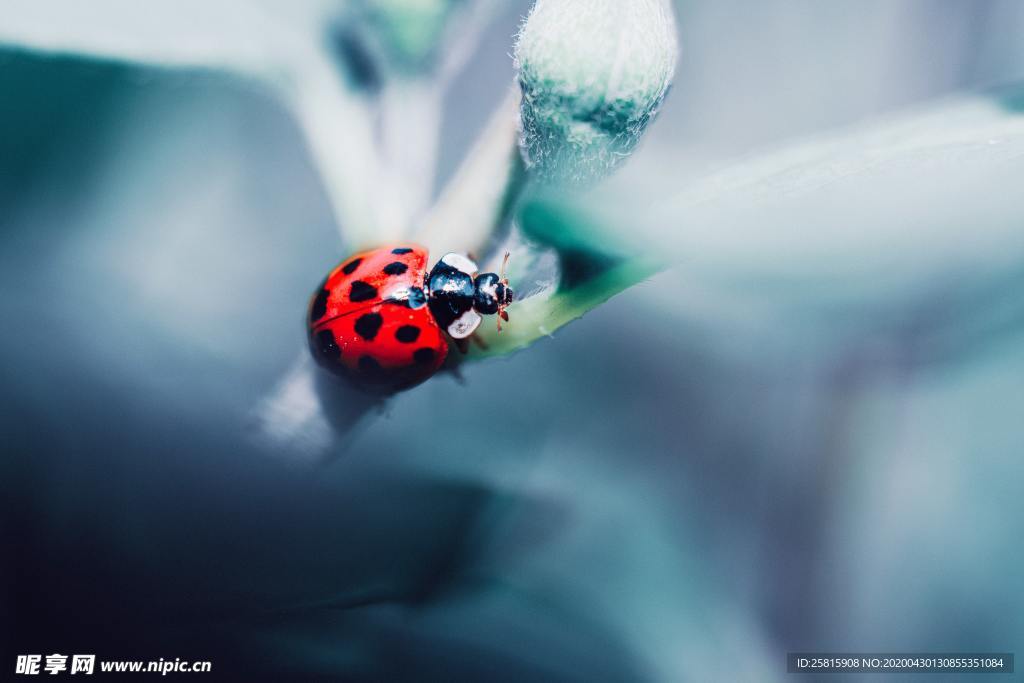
537	317
594	264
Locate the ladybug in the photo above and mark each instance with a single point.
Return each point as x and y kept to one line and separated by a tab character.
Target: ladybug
383	321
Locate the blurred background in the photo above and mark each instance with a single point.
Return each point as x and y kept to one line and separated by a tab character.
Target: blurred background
672	488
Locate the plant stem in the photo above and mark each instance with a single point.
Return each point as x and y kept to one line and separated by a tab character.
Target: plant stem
410	128
478	202
338	125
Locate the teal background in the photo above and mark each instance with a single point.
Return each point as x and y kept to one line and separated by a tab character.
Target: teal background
668	489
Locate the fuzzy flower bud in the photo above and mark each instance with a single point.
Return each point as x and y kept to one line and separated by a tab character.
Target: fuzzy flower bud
593	75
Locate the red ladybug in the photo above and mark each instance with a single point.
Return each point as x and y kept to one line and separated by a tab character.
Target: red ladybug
380	319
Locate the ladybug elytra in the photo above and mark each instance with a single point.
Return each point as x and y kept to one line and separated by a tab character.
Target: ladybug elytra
381	319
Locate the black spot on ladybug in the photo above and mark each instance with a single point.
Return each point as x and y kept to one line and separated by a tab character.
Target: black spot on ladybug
424	356
370	366
326	345
362	291
407	334
350	267
319	307
401	250
396	268
367	326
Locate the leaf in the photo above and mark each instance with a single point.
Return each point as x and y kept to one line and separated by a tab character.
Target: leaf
918	215
896	200
908	224
594	266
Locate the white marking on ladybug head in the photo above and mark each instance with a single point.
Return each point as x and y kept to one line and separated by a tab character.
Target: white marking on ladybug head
465	325
489	288
460	262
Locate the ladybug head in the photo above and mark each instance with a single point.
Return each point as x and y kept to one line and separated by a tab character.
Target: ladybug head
492	293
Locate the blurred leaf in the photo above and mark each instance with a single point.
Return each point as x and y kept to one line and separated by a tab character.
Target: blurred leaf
280	46
230	34
868	212
906	225
408	31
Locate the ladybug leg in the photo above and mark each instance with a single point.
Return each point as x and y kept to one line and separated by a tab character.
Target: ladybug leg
502	315
456	373
479	341
462	345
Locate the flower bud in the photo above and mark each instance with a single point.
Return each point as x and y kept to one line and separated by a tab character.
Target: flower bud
593	74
